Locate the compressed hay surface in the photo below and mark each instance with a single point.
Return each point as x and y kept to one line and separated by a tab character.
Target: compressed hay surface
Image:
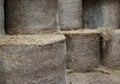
37	62
2	17
30	16
83	50
99	76
111	56
70	14
101	13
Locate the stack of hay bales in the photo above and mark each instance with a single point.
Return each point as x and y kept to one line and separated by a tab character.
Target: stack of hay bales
41	58
87	47
105	15
83	46
32	59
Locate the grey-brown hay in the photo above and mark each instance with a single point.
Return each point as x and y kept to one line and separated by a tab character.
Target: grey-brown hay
102	75
30	16
83	50
32	59
2	17
70	14
101	13
111	57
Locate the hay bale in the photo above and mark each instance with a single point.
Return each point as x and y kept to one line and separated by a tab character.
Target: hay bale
70	14
2	17
32	59
83	50
105	33
102	75
111	57
30	16
101	13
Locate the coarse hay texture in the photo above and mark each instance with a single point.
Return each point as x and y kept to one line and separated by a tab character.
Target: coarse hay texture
83	50
101	13
70	14
30	16
2	17
112	56
41	39
101	75
33	63
105	33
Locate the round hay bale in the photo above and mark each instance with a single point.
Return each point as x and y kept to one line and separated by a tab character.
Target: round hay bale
33	59
111	57
101	13
70	14
83	50
30	16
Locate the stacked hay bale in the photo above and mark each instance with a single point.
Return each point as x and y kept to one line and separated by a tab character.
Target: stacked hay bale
83	49
32	59
70	14
31	16
111	55
2	17
101	13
